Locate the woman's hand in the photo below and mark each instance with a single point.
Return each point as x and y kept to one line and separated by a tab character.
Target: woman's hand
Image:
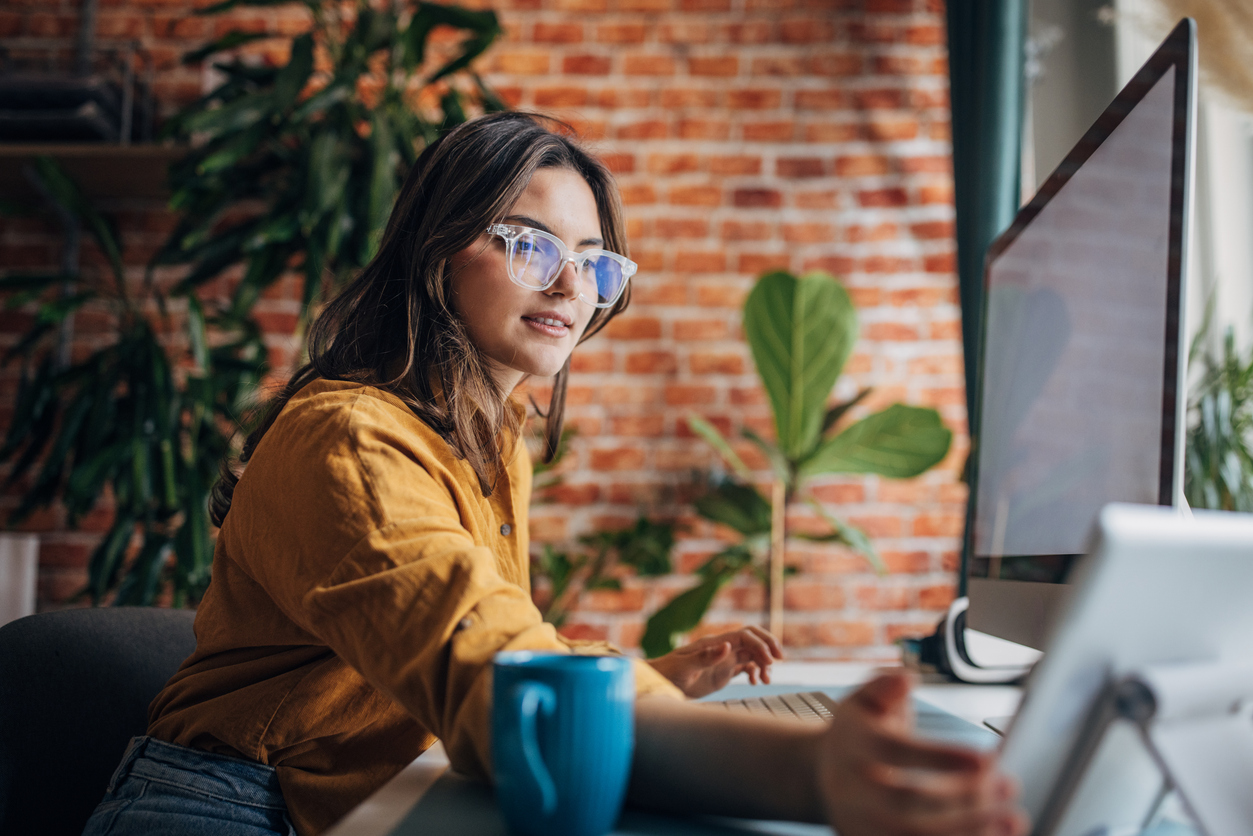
707	664
876	779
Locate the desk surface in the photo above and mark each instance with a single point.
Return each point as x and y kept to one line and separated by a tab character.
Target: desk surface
453	805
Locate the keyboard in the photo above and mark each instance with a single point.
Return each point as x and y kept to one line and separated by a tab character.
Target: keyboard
931	723
813	706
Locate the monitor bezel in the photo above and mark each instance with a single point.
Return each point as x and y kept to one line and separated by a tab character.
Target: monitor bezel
1021	611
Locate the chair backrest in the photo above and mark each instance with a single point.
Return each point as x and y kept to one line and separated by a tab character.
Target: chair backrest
74	688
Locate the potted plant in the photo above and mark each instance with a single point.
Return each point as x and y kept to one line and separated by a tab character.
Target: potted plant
801	332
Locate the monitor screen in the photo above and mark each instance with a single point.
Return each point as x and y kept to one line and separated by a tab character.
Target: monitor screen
1079	391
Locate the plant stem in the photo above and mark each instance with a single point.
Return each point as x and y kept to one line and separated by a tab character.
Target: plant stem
778	535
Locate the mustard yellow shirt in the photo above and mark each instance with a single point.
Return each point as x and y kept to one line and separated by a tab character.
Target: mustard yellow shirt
361	585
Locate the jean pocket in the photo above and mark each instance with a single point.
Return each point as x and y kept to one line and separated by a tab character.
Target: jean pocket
106	812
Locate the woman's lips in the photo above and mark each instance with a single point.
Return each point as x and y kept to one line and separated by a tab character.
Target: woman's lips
546	325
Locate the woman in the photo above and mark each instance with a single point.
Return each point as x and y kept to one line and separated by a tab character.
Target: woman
373	557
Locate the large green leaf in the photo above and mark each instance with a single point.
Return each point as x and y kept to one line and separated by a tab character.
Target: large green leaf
741	507
710	433
679	616
900	442
801	332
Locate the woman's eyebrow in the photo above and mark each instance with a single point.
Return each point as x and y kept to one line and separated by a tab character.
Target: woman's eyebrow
526	220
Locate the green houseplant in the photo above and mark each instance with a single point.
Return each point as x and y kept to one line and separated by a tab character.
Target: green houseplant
801	332
291	167
1219	460
298	166
122	420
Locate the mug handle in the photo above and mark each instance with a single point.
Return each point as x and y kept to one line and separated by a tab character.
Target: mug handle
528	699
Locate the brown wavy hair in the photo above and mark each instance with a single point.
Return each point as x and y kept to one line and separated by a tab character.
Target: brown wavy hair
394	327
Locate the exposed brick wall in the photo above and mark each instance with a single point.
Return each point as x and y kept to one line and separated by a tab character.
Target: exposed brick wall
746	135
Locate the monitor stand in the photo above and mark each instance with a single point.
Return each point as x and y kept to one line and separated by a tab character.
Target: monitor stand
947	651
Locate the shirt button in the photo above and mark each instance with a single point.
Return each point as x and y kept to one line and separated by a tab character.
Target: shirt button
505	529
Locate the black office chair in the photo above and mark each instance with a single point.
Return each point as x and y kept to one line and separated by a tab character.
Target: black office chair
74	688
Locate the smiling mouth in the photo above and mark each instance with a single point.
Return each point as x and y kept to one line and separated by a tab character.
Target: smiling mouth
552	327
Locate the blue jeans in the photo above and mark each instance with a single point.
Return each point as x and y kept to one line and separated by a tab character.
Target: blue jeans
163	788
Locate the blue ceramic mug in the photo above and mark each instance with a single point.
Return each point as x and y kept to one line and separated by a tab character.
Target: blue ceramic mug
563	730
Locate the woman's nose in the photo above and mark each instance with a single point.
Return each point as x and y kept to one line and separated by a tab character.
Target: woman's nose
567	283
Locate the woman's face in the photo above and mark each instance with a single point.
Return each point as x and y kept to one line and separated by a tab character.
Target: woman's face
521	331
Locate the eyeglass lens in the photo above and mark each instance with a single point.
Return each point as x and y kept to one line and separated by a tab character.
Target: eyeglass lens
535	260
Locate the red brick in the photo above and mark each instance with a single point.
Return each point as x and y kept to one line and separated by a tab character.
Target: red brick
800	167
825	199
778	65
845	633
720	296
638	194
697	261
708	362
682	394
691	32
651	362
681	228
747	230
572	495
769	198
634	328
836	64
648	64
586	360
808	595
705	5
829	99
696	196
941	193
754	98
930	230
682	97
558	33
639	426
832	132
936	597
889	127
780	130
618	458
621	33
673	163
644	129
878	597
704	129
522	61
895	196
586	64
743	164
806	31
721	65
940	263
752	32
619	163
807	233
689	330
758	263
563	96
906	563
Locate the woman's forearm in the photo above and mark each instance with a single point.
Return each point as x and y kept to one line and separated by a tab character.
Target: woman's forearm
692	758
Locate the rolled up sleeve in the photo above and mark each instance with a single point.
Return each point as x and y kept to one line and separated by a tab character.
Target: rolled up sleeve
386	562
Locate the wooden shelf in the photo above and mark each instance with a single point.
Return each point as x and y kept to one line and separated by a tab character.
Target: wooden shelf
100	169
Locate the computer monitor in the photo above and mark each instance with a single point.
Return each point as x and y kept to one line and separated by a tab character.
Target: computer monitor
1081	389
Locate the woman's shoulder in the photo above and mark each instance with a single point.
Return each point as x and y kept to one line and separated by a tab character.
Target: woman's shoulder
348	412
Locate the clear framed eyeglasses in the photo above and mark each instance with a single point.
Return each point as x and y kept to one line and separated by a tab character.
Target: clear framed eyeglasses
536	258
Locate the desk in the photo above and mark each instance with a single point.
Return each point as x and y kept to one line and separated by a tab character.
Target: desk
393	803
